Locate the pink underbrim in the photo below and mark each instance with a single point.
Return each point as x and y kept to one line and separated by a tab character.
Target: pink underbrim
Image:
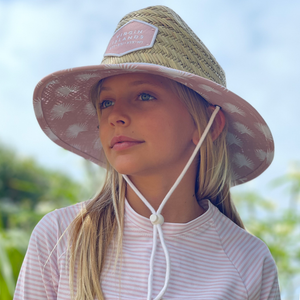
65	113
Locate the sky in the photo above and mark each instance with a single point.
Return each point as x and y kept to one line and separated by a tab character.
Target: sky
256	42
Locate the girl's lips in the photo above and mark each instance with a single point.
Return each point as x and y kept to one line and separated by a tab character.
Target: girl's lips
124	145
123	142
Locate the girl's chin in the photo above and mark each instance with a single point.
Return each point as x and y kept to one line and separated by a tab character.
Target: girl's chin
132	170
125	168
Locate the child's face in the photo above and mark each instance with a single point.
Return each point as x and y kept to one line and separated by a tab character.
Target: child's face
145	129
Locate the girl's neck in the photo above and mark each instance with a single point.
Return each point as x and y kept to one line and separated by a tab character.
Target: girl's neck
182	205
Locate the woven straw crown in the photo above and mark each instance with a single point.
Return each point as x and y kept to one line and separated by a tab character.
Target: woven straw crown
176	46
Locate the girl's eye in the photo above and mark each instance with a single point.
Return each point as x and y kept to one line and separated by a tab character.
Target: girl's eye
106	103
146	97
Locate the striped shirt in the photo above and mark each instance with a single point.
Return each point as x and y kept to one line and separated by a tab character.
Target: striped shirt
211	258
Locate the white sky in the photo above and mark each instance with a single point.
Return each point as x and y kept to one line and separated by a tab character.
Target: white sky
256	42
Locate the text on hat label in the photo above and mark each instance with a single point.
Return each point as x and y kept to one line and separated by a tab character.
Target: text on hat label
134	35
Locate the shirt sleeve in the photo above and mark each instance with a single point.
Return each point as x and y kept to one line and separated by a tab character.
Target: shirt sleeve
269	283
39	272
252	259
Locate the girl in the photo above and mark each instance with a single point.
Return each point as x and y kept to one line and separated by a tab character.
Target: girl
173	140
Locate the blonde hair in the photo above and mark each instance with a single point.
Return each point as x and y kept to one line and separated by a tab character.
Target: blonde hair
101	221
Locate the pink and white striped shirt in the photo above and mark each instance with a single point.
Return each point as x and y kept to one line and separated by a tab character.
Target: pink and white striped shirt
211	258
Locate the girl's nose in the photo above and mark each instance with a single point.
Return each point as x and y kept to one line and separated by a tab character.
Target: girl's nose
119	116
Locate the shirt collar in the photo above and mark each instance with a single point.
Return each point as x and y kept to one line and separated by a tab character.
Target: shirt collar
131	217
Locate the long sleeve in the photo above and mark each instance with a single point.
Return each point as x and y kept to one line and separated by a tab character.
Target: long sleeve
269	283
36	278
251	258
44	273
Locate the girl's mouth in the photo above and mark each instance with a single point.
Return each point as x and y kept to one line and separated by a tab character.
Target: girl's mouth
124	145
123	142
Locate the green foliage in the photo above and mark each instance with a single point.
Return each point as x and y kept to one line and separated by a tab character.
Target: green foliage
27	192
13	244
23	182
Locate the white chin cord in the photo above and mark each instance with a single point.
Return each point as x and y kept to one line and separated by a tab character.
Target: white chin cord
157	219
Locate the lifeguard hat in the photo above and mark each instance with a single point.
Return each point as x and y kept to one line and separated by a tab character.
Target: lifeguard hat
157	41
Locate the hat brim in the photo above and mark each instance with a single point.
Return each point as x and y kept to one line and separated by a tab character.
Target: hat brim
67	116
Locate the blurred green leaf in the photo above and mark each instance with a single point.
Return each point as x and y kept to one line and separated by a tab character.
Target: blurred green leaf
5	267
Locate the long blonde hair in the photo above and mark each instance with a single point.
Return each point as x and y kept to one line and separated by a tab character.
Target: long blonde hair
101	221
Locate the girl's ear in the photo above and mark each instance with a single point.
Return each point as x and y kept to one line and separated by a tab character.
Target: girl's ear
218	124
216	128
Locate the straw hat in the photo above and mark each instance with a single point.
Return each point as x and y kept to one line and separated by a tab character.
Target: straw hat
157	41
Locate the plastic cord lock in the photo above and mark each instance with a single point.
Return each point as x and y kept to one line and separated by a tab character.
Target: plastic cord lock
157	219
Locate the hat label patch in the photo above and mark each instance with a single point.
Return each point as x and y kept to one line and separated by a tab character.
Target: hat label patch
134	35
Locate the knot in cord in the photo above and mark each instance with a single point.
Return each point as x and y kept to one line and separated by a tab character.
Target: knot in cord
157	219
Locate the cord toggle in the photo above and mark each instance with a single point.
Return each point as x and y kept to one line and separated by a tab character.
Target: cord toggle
157	219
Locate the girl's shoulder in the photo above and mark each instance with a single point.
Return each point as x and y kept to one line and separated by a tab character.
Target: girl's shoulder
234	238
52	231
250	256
61	218
46	257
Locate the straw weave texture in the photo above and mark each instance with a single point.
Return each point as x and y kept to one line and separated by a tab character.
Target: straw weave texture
176	46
